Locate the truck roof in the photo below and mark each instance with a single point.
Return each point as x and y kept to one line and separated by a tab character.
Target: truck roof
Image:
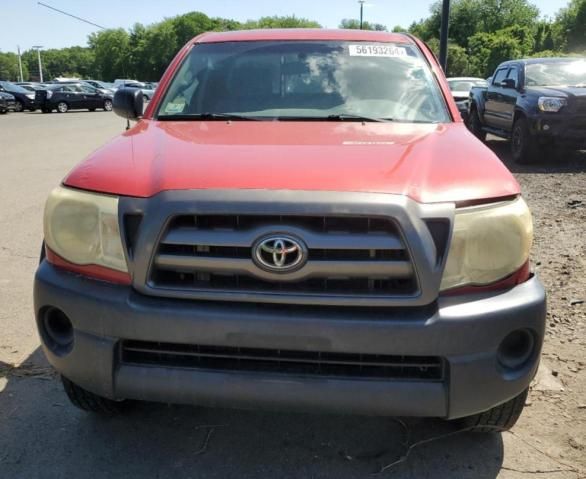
302	34
530	61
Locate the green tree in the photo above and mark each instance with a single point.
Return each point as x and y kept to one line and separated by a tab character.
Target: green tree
112	53
569	28
9	67
353	24
281	22
459	62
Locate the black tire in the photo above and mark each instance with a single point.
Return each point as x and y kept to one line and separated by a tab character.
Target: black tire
91	402
19	106
32	109
498	419
475	125
62	107
524	148
3	112
145	98
107	105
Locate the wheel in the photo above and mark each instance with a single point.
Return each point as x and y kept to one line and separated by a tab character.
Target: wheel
145	97
498	419
523	145
3	112
107	105
62	107
91	109
19	106
475	125
91	402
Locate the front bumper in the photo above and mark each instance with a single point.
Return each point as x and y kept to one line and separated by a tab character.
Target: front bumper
562	130
464	330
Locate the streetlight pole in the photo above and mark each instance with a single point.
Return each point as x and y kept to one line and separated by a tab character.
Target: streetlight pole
443	56
361	2
38	49
19	63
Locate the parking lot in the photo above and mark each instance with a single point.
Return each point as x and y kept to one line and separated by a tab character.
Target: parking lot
42	435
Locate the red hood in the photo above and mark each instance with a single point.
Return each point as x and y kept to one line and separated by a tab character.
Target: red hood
428	162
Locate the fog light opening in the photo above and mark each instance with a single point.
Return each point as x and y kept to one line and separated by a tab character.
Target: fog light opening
516	349
57	331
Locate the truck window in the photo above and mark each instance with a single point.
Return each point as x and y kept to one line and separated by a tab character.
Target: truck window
293	80
499	76
514	75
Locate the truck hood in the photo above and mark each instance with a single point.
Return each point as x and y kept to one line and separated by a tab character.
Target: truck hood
563	91
427	162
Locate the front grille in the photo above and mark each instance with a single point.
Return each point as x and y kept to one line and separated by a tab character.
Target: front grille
303	363
346	256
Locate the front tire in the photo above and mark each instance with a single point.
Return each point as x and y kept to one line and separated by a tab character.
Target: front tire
89	401
498	419
19	106
62	107
107	105
475	125
523	145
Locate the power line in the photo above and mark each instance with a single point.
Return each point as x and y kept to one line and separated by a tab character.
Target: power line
72	16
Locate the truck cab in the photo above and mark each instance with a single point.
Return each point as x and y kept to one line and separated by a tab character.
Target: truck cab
540	104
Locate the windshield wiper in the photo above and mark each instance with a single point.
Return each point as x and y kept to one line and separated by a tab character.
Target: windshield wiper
353	117
206	116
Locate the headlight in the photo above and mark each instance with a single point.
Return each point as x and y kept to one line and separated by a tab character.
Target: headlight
30	96
551	103
82	228
488	244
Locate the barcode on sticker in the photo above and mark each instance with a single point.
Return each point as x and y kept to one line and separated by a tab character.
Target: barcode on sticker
376	51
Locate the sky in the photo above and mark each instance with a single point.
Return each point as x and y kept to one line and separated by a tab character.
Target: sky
33	24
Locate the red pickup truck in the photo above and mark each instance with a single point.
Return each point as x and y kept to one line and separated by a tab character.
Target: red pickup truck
299	219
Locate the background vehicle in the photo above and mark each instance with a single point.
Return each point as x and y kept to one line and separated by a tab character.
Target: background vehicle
31	86
101	86
539	103
297	222
72	96
146	89
460	88
7	102
25	99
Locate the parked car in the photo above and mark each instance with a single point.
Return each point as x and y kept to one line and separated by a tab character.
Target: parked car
460	87
101	86
300	220
539	103
147	91
72	96
24	99
7	103
31	86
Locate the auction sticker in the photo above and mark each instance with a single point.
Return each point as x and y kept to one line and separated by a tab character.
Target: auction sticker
376	51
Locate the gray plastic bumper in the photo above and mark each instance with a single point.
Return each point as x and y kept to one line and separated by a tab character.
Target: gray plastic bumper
464	330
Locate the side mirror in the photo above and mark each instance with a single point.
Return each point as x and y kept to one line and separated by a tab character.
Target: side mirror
509	83
128	103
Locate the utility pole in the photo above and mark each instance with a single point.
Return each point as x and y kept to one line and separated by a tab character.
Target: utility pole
361	2
19	63
38	49
443	56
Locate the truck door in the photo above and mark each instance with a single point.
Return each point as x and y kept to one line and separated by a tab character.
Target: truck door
510	94
494	108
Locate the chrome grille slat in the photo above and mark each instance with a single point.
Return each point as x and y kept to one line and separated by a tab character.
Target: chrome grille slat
345	255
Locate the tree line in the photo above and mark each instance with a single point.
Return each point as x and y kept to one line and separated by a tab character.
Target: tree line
483	33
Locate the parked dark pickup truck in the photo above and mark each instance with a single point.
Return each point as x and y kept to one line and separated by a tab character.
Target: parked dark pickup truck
540	104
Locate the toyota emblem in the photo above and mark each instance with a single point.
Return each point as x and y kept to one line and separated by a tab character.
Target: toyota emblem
279	253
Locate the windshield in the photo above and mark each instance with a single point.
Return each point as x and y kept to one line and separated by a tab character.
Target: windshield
303	80
566	73
465	85
12	87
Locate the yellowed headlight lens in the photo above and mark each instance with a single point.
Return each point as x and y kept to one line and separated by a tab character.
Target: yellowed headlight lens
83	228
488	244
